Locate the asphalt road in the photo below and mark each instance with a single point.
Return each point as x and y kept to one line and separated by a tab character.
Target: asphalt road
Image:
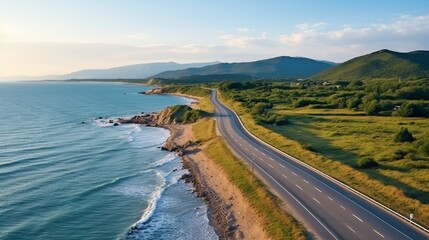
327	209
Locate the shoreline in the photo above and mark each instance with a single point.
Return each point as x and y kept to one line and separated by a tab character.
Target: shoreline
228	212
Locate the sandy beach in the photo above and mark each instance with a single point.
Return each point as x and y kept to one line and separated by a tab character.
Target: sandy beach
229	212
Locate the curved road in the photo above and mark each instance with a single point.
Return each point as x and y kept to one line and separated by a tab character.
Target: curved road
327	209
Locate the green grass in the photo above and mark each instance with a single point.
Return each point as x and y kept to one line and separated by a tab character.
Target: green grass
275	221
348	138
333	143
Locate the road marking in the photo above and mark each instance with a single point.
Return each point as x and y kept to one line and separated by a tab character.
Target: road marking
284	176
306	181
241	144
298	186
331	199
351	229
381	235
316	200
283	166
294	173
253	154
357	217
318	189
271	158
246	149
262	159
270	165
264	154
342	207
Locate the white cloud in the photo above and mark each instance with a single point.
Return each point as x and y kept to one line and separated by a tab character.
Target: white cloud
406	33
138	36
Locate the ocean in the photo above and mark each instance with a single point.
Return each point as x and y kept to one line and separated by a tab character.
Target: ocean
67	173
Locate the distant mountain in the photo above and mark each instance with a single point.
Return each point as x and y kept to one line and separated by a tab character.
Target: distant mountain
279	67
381	64
138	71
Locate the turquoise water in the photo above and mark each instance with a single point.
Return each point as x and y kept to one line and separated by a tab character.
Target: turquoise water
66	175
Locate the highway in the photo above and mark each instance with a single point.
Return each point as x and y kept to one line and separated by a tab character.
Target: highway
327	209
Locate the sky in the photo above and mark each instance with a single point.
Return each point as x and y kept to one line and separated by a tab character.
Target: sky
43	37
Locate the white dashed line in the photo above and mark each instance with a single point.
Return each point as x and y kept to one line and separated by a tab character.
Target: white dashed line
294	173
306	181
342	207
331	199
270	165
381	235
264	154
351	229
253	154
357	217
283	166
298	186
318	189
284	176
316	200
241	144
262	160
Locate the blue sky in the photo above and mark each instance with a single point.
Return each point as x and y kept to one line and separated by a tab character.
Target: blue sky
56	37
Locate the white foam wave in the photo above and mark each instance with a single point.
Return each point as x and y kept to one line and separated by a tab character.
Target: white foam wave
166	159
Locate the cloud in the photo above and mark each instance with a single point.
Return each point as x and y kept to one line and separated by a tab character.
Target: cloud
315	40
406	33
138	36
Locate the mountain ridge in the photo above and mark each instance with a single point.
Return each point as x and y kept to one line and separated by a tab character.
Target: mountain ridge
381	64
277	67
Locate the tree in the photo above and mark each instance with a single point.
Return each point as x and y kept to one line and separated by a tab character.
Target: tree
404	136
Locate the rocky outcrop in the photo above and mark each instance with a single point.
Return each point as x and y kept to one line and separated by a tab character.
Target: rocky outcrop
146	119
153	91
170	146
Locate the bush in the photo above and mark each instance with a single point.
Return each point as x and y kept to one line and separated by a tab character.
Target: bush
404	136
367	162
371	108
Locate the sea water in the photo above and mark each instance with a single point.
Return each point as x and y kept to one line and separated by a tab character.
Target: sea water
66	173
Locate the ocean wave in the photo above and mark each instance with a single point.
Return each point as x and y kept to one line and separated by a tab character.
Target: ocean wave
167	182
105	185
166	159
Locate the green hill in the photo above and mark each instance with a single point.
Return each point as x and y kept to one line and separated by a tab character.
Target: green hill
279	67
381	64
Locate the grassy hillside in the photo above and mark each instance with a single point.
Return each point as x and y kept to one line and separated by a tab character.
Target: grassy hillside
381	64
290	67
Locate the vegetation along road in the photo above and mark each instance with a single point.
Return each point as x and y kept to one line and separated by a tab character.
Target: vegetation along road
328	209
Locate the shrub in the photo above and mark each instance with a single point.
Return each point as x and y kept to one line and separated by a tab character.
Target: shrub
367	162
404	136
